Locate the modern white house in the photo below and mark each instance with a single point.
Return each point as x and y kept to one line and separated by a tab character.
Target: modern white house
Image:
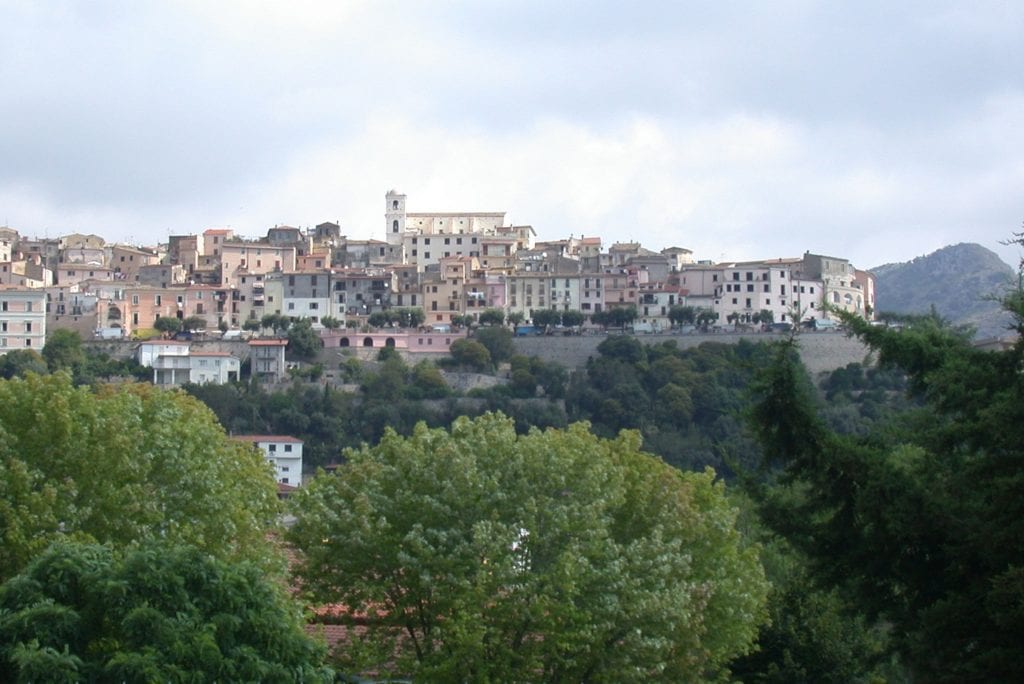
282	452
174	363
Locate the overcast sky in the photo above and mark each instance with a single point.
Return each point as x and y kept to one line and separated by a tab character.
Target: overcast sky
878	131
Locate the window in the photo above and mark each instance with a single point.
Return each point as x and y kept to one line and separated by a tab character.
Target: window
135	300
287	447
768	288
272	448
291	306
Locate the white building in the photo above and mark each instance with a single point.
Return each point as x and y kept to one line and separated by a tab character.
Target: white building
282	452
22	318
174	363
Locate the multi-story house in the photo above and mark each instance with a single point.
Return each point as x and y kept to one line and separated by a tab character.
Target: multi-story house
621	286
407	286
655	301
282	452
26	273
498	253
357	293
839	281
184	250
68	308
266	357
8	238
237	258
127	261
306	294
592	293
175	363
22	318
70	273
251	299
678	257
160	275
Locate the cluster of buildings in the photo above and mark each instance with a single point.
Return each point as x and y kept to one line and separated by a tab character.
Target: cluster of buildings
449	264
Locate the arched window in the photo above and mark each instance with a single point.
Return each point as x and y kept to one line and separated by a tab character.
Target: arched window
394	226
394	204
390	342
368	342
344	342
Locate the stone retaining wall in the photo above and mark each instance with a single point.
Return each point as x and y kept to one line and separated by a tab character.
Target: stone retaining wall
820	351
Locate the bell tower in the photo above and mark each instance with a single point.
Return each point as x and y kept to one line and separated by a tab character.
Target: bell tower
394	214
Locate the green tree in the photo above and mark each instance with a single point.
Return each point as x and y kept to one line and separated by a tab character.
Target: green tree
411	317
622	315
920	521
167	324
81	612
194	323
303	342
498	342
542	318
522	381
276	322
462	320
427	382
252	325
706	317
682	315
573	319
515	318
483	555
470	354
121	464
492	317
63	350
18	362
330	322
378	319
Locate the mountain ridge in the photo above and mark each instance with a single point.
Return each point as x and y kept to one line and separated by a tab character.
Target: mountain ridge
963	282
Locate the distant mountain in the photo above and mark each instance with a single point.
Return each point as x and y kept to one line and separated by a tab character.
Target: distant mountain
960	281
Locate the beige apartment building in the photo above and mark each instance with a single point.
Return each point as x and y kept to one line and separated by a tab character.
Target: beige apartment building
22	318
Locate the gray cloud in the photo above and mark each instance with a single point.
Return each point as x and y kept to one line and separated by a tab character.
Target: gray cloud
863	129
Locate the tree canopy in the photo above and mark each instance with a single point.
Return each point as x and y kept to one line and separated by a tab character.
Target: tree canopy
83	612
479	555
121	464
303	341
920	522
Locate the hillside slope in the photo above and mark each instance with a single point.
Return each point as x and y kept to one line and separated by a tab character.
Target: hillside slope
961	281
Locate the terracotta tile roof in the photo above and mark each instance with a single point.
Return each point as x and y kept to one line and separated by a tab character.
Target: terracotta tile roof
268	343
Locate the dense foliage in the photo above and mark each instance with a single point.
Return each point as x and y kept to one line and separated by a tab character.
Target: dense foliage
483	555
122	464
920	522
82	612
686	403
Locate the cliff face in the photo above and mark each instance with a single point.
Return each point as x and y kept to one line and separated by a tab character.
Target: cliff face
961	281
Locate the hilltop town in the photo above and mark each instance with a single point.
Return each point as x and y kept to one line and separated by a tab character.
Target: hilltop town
451	266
